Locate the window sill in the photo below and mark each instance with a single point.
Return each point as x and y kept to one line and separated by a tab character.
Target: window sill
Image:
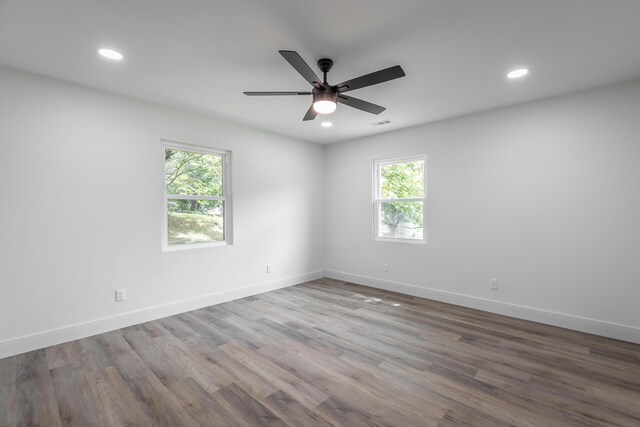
398	240
174	248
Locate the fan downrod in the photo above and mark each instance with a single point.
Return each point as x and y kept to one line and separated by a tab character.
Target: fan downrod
325	65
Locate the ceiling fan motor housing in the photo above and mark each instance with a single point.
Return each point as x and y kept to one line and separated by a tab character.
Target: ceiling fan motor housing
322	95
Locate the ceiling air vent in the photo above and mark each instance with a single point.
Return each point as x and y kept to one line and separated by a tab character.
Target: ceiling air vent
381	123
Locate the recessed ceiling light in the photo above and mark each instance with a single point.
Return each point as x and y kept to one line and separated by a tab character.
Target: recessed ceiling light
326	124
516	74
110	54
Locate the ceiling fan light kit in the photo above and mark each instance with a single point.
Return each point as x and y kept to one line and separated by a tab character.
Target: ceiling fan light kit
326	96
324	102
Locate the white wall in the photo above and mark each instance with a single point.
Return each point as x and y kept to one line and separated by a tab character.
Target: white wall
81	174
543	196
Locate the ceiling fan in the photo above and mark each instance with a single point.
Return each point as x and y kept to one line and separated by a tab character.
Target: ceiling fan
325	96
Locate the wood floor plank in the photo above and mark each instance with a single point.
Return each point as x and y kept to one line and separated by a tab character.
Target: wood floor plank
341	412
8	398
31	366
245	408
76	403
130	366
115	400
36	404
249	380
302	391
584	410
327	353
56	356
195	366
201	405
293	412
167	370
342	381
158	403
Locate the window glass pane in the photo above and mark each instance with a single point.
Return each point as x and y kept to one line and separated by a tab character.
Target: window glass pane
401	220
402	180
195	221
195	174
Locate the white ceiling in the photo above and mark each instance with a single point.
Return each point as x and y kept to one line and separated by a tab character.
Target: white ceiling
200	55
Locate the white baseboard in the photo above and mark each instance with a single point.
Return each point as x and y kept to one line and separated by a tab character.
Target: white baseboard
51	337
576	323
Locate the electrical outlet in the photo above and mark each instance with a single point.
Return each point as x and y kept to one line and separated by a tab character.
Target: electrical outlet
119	294
386	268
494	284
268	268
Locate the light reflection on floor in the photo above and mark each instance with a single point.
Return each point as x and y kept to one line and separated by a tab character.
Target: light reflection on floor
377	300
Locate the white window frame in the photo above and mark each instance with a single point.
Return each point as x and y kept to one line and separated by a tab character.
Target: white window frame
377	201
226	197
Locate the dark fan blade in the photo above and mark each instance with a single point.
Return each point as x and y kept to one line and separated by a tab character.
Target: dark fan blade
360	104
275	93
301	67
311	114
371	79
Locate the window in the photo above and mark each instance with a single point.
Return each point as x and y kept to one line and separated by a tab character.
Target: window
196	197
400	198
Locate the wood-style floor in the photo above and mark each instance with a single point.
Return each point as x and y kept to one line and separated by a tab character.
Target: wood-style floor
327	353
